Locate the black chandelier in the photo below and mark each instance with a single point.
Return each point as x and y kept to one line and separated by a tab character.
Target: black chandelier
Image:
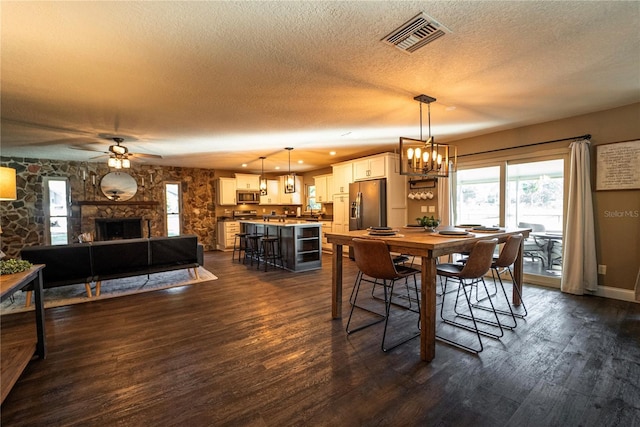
426	158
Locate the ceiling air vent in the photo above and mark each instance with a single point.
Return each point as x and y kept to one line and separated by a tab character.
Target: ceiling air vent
416	33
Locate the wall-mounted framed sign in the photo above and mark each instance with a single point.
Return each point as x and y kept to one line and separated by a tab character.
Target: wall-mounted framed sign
618	166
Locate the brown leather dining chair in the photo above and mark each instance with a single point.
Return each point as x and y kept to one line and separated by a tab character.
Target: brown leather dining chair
468	274
377	267
501	265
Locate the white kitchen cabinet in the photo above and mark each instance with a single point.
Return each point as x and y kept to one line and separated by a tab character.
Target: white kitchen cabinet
227	191
340	213
374	167
369	168
342	177
226	234
326	228
324	188
245	181
276	195
273	193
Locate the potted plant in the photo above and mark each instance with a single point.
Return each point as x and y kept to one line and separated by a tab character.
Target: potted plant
428	222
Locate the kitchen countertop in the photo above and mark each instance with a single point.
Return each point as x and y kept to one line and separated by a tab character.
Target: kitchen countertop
287	223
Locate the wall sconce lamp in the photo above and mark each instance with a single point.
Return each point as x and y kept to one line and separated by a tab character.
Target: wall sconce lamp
7	184
7	187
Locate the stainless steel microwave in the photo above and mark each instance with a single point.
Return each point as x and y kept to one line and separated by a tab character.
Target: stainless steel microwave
247	197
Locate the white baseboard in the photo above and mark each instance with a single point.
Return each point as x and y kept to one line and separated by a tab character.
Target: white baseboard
616	293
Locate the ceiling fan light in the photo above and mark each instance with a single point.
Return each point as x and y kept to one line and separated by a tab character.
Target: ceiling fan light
126	163
117	149
111	162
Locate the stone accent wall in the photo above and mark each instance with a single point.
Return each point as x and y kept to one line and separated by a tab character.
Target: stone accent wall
23	220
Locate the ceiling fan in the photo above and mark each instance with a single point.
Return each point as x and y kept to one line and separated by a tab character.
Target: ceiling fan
119	155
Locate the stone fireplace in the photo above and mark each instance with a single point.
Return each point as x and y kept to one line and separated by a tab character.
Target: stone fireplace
118	228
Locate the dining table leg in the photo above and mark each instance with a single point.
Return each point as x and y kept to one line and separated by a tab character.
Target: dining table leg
428	279
336	282
517	276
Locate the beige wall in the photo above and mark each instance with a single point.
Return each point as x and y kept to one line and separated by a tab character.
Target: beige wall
617	223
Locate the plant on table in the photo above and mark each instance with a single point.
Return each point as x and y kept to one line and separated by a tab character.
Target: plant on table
428	222
12	266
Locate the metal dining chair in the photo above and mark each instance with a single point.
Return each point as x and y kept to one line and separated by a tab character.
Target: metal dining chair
377	267
503	264
533	247
470	273
500	265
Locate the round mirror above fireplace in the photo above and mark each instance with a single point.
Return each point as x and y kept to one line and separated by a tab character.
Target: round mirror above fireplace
118	186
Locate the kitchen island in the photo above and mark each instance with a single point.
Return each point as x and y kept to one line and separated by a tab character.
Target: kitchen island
300	241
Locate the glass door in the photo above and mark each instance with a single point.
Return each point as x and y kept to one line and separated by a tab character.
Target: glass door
535	199
518	193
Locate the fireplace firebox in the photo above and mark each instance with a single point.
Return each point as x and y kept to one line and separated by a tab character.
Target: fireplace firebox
118	228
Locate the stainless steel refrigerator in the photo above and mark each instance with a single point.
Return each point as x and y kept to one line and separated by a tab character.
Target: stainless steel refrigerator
368	204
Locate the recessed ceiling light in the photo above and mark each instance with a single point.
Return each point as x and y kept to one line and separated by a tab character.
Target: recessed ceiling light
450	108
277	168
244	165
332	153
300	162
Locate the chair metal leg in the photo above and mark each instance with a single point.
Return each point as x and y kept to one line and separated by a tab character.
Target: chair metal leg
408	297
506	299
355	291
384	347
478	319
460	325
510	312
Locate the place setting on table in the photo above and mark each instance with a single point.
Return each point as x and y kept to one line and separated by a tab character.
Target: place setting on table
383	232
430	225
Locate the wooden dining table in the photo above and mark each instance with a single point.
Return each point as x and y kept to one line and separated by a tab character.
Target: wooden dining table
428	246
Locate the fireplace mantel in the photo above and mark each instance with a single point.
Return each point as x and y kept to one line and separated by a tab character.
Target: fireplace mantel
113	202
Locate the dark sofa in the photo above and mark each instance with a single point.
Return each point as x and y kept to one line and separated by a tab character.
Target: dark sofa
98	261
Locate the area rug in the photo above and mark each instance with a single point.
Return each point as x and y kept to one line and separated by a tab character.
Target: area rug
76	294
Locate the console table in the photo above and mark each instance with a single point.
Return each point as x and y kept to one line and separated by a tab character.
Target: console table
16	357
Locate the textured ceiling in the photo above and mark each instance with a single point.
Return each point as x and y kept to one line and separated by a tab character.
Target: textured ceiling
217	84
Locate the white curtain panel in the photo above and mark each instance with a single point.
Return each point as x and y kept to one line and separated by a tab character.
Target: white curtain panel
579	264
444	200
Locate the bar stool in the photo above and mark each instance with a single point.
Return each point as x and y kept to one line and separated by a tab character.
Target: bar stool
252	250
239	245
271	252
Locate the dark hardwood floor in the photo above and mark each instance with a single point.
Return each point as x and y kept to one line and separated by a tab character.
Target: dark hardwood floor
260	349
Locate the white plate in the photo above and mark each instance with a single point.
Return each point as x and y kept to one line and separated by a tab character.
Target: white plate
457	236
453	232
